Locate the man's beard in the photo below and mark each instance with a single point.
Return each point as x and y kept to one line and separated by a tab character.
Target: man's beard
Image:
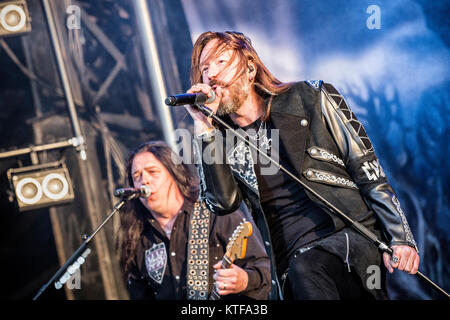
238	93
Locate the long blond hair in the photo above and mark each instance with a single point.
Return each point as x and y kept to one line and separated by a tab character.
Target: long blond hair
265	84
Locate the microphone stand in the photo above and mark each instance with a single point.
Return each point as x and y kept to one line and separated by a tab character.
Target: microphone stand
78	257
356	225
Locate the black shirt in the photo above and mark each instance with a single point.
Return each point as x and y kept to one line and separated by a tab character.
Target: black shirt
141	285
294	220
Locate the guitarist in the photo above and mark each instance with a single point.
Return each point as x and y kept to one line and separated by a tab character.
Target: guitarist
171	247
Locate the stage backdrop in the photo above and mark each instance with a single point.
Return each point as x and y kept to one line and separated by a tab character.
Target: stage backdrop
391	61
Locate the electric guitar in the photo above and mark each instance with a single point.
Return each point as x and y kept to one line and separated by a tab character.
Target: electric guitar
236	248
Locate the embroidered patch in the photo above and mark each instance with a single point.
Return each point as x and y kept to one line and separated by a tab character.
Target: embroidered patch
328	178
198	162
408	233
373	170
156	261
324	155
241	162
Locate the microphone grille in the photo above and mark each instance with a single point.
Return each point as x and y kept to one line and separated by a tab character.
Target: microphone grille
146	192
170	101
213	97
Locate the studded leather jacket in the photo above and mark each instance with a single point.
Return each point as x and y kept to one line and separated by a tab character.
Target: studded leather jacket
330	152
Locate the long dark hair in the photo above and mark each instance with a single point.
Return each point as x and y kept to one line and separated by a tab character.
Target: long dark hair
134	214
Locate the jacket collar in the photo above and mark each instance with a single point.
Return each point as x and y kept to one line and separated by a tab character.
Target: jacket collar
289	102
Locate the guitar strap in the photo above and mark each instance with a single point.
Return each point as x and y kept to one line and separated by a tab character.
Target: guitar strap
198	253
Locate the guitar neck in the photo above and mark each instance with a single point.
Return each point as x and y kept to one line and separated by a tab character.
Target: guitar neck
235	250
226	263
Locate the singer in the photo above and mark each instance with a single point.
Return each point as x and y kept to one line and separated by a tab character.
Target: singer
315	255
167	252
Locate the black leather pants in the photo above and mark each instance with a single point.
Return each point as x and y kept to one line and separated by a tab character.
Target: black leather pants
320	275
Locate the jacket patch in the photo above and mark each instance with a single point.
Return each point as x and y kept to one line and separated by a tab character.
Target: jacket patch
241	162
201	174
329	178
324	155
156	261
373	170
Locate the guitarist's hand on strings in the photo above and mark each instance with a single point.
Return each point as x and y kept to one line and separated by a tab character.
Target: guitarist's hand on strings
230	281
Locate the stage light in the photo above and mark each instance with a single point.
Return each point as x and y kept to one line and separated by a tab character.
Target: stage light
41	185
14	18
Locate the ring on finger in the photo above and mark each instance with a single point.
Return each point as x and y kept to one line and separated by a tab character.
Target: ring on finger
395	259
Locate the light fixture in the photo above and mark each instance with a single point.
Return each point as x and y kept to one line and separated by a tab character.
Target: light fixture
14	18
41	185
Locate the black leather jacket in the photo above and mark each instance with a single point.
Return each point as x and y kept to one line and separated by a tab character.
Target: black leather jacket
330	152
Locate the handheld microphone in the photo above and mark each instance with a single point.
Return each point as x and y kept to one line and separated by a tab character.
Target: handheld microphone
190	98
143	191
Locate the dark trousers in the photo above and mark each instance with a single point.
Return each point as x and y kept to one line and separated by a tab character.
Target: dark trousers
320	275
